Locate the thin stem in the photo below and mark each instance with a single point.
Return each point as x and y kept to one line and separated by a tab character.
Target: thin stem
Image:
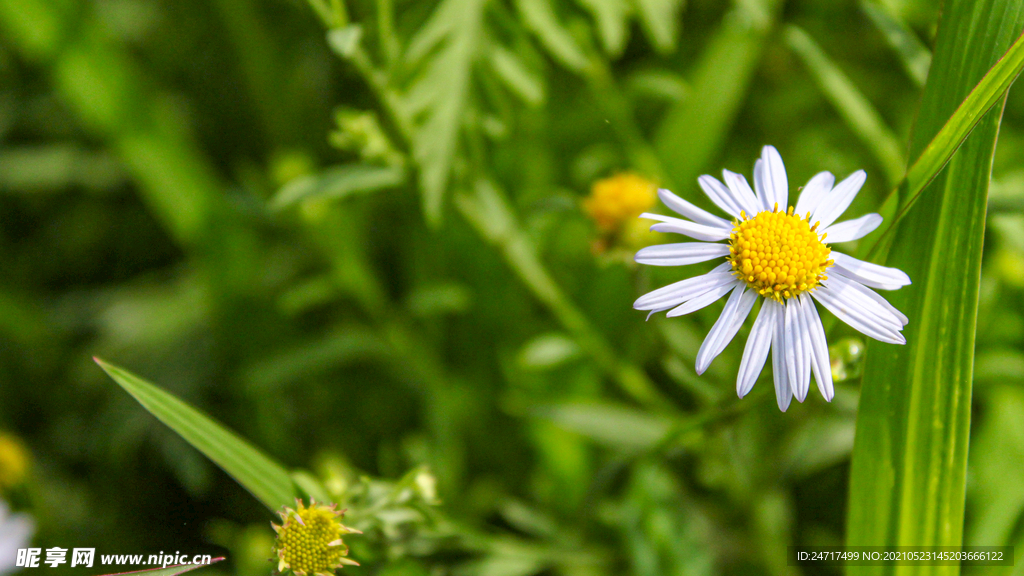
386	30
377	80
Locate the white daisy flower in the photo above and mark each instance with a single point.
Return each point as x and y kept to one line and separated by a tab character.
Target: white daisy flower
15	532
782	256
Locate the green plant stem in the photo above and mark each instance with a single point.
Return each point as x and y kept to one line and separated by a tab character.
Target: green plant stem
386	31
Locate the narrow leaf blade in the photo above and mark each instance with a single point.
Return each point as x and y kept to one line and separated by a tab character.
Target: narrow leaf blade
910	453
339	182
267	480
933	156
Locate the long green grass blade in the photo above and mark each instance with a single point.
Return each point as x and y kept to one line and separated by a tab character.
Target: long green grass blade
267	480
947	139
910	453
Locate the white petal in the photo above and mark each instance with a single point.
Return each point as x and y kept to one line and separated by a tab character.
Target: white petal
687	228
780	367
858	295
698	215
759	188
741	192
15	532
798	349
680	254
820	363
838	200
675	294
852	229
720	195
816	188
712	294
858	317
776	185
868	274
755	352
868	298
735	313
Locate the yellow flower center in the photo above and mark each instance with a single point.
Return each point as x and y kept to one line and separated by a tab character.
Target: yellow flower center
778	254
305	545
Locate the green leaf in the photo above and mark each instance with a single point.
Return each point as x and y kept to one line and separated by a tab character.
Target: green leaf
539	16
612	18
855	109
311	485
548	351
514	73
947	139
658	83
660	19
170	570
344	41
910	451
291	364
338	182
267	480
440	93
53	167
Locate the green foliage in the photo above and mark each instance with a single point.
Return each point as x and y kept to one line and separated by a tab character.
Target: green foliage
914	56
354	231
440	92
908	475
947	139
265	479
338	183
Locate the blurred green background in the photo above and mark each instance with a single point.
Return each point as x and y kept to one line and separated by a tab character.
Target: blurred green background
357	234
